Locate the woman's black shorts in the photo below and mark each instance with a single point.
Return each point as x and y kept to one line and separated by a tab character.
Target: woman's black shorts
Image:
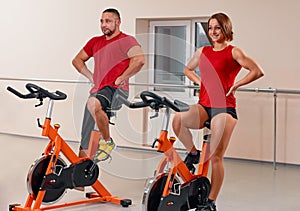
215	111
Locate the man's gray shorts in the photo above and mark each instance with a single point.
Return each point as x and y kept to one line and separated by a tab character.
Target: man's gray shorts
106	96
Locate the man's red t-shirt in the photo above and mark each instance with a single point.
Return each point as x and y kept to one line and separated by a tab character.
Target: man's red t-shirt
110	59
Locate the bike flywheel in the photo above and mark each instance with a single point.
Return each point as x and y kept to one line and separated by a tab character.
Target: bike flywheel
35	178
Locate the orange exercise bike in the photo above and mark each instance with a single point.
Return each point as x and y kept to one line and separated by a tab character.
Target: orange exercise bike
173	187
50	176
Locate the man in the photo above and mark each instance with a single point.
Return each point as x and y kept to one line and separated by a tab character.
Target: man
117	57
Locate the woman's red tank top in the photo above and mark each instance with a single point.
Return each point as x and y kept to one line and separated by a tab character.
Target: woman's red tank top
218	71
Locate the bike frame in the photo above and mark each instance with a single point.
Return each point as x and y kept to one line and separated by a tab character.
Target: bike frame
165	145
164	191
56	146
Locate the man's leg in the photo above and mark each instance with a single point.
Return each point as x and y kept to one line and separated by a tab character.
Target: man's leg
88	125
99	105
100	117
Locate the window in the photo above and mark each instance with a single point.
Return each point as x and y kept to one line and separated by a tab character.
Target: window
200	38
200	34
171	45
169	50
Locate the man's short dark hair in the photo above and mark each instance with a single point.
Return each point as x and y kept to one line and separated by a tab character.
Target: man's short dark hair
114	11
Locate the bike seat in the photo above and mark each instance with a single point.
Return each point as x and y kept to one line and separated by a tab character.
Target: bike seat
207	123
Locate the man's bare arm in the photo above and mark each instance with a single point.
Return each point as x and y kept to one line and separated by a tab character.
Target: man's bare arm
137	60
79	63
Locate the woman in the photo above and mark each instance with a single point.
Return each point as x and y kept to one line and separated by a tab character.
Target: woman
219	65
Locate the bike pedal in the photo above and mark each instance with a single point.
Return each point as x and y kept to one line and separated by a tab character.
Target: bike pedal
107	156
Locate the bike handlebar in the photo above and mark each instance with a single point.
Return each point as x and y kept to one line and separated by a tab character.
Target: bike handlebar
155	102
36	91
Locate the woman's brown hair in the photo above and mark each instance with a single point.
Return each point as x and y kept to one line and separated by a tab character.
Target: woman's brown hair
225	24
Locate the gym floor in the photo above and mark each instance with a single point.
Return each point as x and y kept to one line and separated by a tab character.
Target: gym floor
248	185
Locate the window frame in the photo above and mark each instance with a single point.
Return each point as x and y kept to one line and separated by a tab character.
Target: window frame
189	95
152	25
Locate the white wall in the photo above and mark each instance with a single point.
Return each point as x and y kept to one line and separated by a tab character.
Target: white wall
40	38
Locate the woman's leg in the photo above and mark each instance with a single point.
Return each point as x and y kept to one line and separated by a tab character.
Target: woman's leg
222	126
194	118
